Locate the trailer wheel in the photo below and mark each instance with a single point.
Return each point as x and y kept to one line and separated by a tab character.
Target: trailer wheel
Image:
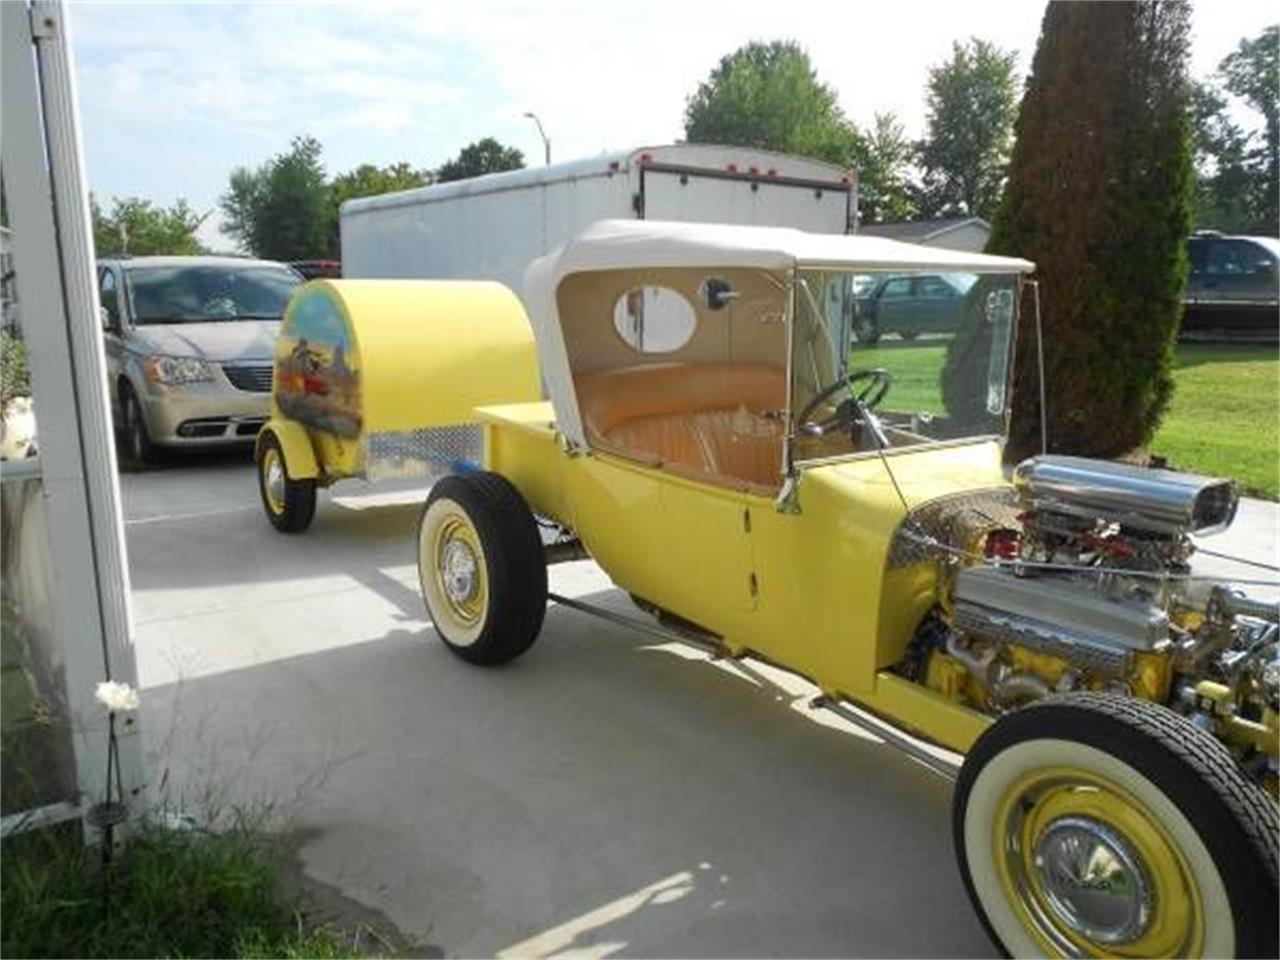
482	568
1092	824
289	504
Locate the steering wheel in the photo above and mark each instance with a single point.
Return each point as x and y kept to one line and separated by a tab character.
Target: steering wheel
878	381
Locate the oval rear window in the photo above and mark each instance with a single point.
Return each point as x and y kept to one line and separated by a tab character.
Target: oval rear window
654	319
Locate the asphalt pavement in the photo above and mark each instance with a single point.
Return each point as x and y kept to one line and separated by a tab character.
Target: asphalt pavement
607	795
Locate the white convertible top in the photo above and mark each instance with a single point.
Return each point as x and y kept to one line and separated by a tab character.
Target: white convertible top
617	244
650	244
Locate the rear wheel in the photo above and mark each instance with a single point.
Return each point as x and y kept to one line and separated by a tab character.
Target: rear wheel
1096	825
866	329
482	568
289	504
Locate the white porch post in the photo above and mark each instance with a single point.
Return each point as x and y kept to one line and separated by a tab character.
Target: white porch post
47	198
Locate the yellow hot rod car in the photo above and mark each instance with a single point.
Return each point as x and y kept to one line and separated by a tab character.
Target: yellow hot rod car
719	443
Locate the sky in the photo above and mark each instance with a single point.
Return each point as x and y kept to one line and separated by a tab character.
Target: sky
174	96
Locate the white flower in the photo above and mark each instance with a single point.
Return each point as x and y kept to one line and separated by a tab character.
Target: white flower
117	696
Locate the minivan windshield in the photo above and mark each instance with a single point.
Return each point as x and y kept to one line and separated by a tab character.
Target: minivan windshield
208	293
928	353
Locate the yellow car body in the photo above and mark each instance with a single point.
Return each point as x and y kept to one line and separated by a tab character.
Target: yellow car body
807	590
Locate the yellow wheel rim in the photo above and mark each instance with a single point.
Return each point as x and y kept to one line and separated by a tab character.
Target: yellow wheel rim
1090	870
273	480
459	568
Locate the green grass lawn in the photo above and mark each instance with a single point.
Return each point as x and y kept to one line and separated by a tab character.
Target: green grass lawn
1223	419
170	895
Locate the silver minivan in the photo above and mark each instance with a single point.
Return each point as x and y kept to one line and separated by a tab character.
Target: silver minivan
189	344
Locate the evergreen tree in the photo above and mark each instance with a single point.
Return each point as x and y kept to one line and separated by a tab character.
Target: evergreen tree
1099	196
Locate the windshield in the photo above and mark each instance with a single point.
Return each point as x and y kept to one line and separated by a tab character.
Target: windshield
928	354
208	293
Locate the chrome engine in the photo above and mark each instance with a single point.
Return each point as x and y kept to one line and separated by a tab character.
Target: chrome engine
1089	587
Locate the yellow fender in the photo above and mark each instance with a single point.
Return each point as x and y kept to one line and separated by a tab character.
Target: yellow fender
295	445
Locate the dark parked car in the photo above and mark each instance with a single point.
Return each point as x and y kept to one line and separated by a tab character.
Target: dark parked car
1233	292
911	305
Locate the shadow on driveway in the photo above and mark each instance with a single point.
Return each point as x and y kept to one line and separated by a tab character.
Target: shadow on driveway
602	796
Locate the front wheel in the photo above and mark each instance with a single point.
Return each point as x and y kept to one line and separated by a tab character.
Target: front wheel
866	329
1096	825
482	568
134	430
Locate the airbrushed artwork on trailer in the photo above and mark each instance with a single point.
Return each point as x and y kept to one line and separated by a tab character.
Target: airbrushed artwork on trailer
317	382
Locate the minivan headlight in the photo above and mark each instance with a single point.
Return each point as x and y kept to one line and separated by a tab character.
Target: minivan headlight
171	370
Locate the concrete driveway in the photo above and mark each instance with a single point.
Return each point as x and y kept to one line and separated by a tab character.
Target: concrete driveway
606	795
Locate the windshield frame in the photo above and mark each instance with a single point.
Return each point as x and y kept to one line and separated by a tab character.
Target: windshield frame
792	465
128	270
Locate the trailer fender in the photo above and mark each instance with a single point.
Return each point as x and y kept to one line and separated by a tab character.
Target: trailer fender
295	444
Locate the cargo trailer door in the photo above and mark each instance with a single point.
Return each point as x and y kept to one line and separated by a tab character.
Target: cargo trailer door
713	196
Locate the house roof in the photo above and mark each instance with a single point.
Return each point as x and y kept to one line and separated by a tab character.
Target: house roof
918	231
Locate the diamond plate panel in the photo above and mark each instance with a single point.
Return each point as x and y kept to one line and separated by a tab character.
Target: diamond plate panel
426	452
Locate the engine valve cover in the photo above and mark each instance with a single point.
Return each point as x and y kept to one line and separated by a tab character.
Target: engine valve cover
1068	619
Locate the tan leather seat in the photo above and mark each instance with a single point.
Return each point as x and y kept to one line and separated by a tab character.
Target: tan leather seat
699	418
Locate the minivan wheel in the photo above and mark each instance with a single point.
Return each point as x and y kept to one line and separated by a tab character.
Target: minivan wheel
136	436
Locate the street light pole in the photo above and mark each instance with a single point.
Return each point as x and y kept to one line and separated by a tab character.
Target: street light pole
546	144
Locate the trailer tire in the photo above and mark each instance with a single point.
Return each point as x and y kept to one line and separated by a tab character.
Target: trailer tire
482	568
1187	845
289	504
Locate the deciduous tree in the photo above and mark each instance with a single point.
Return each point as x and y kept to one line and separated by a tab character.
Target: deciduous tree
1226	192
282	210
883	161
138	227
768	96
1099	196
368	180
1238	171
971	101
477	159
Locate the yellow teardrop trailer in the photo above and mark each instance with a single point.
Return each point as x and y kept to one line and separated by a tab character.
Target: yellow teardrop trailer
380	378
731	434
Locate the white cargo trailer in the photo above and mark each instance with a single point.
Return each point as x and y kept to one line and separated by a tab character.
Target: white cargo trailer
491	227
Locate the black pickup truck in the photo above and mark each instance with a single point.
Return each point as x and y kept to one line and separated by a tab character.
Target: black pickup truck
1233	291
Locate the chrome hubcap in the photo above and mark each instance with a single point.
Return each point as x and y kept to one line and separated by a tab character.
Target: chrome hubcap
1093	881
458	571
275	481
